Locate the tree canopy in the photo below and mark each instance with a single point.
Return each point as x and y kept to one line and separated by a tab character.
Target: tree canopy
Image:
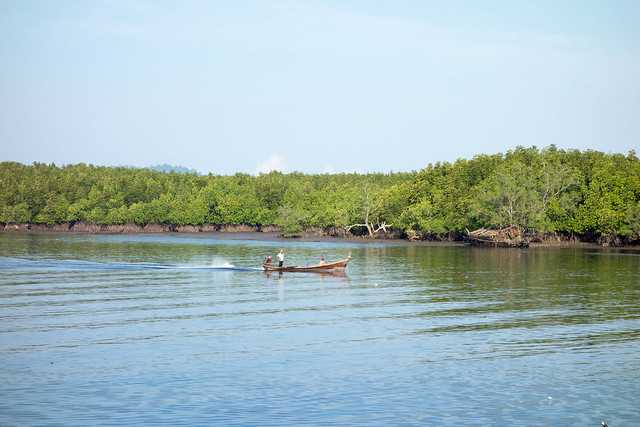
540	190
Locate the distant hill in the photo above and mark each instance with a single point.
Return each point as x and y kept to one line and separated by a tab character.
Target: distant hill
172	168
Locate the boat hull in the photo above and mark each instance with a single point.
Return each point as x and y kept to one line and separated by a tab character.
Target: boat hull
320	268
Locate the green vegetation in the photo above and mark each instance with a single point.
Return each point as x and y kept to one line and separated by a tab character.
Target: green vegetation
584	193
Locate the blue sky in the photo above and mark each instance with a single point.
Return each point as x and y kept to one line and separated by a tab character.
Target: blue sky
314	86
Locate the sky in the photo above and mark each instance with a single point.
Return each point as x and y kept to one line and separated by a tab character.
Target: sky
314	86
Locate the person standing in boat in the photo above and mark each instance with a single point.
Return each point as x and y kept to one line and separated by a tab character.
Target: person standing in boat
281	258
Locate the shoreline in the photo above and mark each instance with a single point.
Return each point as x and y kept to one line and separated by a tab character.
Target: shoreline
267	233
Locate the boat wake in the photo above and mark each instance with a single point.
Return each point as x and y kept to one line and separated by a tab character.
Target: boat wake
68	264
226	266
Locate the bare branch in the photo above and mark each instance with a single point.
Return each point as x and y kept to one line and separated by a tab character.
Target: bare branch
348	228
383	226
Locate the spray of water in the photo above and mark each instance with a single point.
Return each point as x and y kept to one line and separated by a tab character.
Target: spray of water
218	262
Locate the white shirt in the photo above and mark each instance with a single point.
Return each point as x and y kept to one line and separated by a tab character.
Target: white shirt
280	256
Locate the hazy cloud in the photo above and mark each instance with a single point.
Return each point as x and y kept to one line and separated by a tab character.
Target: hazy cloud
328	169
275	162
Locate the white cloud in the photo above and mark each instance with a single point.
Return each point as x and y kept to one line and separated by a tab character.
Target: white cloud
275	162
328	169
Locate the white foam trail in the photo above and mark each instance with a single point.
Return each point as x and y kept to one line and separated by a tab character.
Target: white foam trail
218	262
203	267
225	265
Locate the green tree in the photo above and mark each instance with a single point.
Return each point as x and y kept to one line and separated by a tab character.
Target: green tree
291	220
632	222
18	214
609	197
56	210
509	197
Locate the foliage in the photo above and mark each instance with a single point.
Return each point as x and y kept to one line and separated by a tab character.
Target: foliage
509	197
632	226
542	190
291	220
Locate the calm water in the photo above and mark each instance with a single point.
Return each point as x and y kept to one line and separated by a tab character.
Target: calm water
181	330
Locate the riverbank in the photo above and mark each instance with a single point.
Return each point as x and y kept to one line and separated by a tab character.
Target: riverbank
83	227
272	232
234	231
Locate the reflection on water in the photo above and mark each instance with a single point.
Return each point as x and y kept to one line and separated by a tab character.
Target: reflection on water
187	330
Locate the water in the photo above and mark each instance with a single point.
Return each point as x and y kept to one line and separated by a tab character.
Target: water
184	330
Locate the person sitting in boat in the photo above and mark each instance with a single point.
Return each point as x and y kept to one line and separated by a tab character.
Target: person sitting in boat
267	260
322	262
281	258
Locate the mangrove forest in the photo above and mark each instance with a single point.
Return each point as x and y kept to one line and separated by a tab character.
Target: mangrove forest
572	194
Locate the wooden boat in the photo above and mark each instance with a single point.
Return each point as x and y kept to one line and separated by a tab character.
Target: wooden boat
334	266
509	237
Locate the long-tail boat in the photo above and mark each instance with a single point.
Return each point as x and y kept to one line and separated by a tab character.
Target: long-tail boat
325	267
